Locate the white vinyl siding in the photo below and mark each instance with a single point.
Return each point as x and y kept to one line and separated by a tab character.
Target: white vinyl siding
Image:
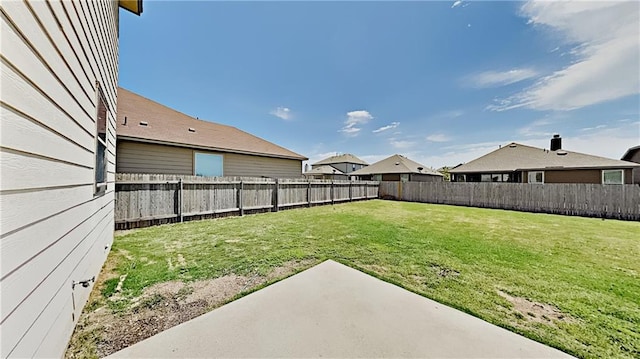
53	230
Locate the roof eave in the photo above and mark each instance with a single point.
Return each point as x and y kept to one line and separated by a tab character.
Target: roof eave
208	148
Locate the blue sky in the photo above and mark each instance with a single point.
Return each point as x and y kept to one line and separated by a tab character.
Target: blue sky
440	82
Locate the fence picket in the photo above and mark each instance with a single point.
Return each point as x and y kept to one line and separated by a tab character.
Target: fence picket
589	200
143	199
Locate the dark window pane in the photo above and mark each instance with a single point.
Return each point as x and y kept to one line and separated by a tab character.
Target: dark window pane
101	163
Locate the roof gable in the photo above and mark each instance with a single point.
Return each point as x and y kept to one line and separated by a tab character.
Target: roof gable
395	164
343	158
516	156
149	121
630	154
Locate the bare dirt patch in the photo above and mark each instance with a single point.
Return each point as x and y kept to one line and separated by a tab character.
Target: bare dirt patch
535	311
101	331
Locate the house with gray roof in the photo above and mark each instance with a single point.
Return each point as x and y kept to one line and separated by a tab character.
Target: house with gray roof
518	163
325	172
633	155
336	167
398	168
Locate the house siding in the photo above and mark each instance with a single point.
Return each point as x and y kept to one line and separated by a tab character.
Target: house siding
593	176
415	177
138	157
345	167
53	229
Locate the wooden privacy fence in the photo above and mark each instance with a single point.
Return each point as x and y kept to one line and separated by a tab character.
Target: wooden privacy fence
589	200
147	199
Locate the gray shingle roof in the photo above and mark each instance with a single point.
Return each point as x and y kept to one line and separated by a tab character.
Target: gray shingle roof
324	170
394	164
344	158
515	156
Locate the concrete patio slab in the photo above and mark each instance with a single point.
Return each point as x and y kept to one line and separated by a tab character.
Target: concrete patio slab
332	310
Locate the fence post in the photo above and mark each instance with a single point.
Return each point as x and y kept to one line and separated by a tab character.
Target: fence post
331	191
309	192
275	195
241	198
180	199
350	195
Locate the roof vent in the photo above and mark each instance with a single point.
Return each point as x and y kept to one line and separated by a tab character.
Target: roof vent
420	169
191	129
513	145
561	153
397	163
143	123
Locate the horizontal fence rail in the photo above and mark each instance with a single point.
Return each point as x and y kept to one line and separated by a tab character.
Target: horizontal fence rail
587	200
147	199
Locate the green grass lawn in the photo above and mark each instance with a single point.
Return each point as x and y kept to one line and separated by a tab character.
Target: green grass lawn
472	259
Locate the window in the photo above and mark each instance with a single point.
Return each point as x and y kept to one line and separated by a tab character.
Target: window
536	177
101	143
485	177
612	177
208	165
404	177
377	177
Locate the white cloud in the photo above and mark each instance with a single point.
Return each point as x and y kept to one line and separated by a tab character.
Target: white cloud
282	112
358	117
536	128
350	130
606	50
401	144
387	127
456	4
355	118
501	78
593	128
438	137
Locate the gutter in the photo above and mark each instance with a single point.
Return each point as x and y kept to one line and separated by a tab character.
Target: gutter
225	150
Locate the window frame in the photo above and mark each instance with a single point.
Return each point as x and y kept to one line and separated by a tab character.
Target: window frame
613	170
100	187
195	163
534	173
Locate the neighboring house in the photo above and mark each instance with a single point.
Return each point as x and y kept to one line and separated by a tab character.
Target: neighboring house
153	138
59	96
633	155
325	172
519	163
398	168
345	164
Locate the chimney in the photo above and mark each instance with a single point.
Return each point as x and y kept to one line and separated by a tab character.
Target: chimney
556	142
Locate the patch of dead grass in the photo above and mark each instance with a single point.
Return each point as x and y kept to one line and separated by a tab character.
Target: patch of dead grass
101	332
535	311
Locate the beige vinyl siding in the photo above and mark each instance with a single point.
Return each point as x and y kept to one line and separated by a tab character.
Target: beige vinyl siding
139	157
256	166
53	229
